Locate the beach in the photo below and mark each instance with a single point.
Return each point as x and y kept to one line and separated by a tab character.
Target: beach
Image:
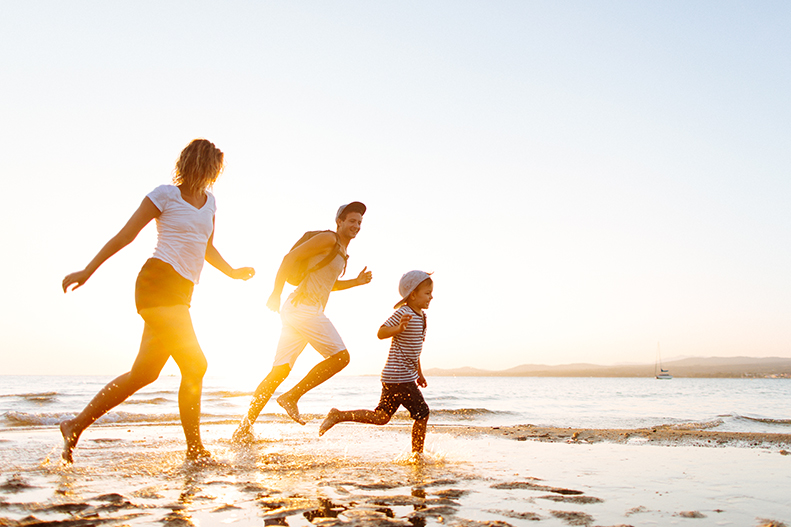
504	451
363	475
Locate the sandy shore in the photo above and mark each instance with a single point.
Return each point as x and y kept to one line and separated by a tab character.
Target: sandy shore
362	475
687	435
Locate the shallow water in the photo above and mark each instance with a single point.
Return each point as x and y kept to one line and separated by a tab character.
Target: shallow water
735	405
363	475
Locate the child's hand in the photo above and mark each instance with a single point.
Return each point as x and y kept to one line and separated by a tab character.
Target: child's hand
421	381
403	324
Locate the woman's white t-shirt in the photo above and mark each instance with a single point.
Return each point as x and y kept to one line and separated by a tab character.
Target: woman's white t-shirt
183	231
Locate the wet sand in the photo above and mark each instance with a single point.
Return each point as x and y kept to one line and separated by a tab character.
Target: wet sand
686	435
363	475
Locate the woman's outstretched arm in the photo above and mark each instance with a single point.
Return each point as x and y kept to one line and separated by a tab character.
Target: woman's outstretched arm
214	258
146	212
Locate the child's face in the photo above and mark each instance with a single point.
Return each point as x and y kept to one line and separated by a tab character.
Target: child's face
421	297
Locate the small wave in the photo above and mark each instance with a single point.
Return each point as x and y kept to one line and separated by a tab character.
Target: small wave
155	400
764	420
699	425
54	419
468	413
222	394
36	397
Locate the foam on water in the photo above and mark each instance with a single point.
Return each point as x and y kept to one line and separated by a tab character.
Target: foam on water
739	405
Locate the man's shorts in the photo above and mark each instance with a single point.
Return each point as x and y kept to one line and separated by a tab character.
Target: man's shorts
159	285
406	394
305	324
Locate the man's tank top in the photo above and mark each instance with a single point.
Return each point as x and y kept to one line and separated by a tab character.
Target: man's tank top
315	288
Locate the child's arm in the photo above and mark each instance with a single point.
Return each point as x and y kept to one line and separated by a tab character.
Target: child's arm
385	332
421	380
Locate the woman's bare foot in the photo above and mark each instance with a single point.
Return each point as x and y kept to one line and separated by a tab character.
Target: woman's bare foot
333	417
70	438
198	454
291	408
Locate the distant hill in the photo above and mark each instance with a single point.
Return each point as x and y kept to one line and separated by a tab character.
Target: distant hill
691	367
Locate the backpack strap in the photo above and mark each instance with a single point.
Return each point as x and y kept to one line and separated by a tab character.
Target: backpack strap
336	250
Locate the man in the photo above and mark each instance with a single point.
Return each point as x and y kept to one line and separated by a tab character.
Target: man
304	321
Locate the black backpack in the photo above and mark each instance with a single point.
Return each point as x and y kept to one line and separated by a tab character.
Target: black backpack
300	269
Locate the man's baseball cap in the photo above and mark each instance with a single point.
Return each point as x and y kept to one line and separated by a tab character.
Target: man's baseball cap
354	206
409	283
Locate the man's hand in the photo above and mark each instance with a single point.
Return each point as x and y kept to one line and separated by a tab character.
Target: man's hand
364	277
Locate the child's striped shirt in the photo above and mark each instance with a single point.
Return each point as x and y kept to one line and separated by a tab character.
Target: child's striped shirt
405	348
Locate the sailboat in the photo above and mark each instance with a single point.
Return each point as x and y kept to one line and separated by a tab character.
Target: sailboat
658	371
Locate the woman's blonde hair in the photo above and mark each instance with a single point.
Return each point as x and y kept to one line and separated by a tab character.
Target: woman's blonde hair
198	166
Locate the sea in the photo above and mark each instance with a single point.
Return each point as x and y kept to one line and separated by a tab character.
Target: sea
129	468
729	405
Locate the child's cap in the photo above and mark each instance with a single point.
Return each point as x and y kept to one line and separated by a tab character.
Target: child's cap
409	283
354	206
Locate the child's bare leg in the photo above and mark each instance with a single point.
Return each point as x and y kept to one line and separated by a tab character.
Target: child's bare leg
371	417
419	435
320	373
261	396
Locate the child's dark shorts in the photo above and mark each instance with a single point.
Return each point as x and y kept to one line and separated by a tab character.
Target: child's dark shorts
406	394
159	285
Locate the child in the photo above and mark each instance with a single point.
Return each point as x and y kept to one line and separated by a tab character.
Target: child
401	375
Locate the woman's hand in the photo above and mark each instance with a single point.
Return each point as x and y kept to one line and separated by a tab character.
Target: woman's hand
274	302
243	273
79	278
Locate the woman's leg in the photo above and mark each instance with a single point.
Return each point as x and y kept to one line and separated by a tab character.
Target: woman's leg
176	337
149	362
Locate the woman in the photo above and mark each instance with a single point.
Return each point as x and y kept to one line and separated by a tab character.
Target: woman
185	231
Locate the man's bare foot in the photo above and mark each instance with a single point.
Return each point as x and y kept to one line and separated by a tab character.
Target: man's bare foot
291	408
416	457
333	417
243	435
70	438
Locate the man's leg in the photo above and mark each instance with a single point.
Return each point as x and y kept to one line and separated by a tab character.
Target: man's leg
289	346
320	373
261	396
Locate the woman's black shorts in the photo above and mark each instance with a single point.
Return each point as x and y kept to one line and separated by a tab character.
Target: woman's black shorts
407	394
159	285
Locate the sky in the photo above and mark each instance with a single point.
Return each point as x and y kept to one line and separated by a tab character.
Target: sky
586	180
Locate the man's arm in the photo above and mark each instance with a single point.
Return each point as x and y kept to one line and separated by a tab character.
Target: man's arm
321	243
363	278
